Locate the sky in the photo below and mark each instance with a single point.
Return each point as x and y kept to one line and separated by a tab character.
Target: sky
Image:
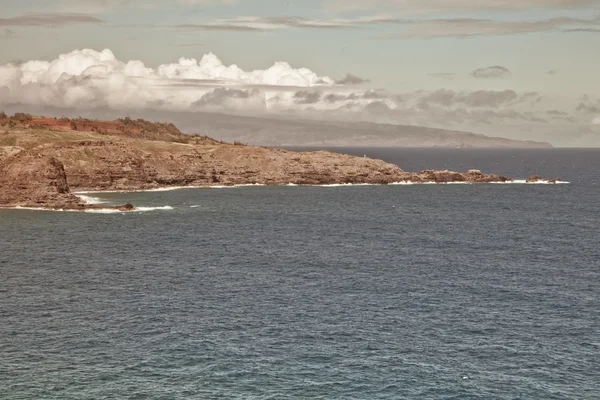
520	69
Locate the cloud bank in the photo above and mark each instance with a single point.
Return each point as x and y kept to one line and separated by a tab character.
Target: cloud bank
89	79
425	6
97	78
49	19
406	27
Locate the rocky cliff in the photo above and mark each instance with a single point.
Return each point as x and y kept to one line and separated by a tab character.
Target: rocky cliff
44	160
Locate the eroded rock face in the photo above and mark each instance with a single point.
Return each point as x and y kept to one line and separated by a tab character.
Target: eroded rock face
45	175
35	180
39	181
128	166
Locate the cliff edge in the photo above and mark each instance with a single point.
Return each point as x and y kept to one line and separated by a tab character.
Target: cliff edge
44	160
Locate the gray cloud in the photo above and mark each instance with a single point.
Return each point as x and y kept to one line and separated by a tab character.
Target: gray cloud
49	19
551	72
260	24
479	98
410	28
588	106
560	115
367	95
436	6
493	72
556	112
591	30
403	6
469	27
96	6
219	27
350	79
489	116
443	75
377	107
220	96
307	97
334	98
442	116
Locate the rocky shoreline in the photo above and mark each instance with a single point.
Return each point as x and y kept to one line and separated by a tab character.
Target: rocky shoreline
45	165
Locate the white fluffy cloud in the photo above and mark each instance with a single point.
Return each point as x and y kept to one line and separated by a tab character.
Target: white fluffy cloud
92	78
86	79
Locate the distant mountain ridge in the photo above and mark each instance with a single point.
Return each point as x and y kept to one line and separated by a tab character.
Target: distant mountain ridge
286	131
328	133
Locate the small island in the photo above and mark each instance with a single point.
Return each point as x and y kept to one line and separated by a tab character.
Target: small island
44	161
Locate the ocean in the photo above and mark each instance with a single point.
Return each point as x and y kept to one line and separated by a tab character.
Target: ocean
485	291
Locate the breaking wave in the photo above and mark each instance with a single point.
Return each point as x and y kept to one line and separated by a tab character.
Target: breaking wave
513	182
540	182
346	184
94	210
96	200
104	211
169	189
153	208
90	211
234	186
91	200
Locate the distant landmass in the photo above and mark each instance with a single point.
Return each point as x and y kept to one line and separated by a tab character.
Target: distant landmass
303	132
286	131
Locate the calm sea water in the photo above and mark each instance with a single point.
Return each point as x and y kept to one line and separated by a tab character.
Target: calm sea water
416	292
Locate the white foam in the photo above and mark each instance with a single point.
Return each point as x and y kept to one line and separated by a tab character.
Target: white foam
234	186
91	200
163	189
169	189
195	206
509	182
103	211
91	211
36	209
94	210
172	188
153	208
97	200
346	184
401	183
539	182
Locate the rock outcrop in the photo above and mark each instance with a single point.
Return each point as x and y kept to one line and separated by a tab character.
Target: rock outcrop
44	166
39	181
34	180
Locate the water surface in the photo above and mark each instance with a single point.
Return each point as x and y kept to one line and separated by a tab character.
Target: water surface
369	292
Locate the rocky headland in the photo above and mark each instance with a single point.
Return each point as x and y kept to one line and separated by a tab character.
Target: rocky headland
44	161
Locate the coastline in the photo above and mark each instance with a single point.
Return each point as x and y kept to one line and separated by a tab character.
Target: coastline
93	206
50	171
399	183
